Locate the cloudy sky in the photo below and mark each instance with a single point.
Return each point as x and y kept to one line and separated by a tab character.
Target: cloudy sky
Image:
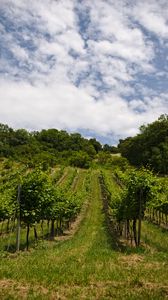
98	67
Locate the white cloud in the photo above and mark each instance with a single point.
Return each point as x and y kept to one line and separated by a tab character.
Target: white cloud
65	81
19	52
130	52
69	107
153	16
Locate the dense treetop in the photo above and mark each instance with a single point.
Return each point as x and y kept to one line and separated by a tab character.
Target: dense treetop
149	147
51	145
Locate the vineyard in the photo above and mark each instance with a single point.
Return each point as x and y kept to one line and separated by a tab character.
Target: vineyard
71	233
44	203
132	196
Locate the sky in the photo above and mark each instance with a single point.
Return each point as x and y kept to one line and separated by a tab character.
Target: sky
98	67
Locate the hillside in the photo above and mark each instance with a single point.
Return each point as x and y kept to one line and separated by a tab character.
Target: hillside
93	263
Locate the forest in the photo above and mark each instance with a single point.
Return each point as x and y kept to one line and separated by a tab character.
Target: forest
49	146
150	147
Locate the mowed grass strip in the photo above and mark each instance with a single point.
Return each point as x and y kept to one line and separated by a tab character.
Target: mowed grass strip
79	179
87	266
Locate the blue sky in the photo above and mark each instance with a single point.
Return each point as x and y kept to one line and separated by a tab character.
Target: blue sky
98	67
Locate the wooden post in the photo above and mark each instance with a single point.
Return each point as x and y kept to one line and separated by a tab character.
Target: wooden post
18	228
140	216
134	231
27	237
52	230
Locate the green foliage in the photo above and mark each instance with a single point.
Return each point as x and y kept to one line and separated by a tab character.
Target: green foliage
140	188
9	179
8	164
130	194
159	202
103	158
87	266
149	147
110	149
56	174
48	147
36	195
80	159
113	193
97	146
41	198
119	162
112	161
7	205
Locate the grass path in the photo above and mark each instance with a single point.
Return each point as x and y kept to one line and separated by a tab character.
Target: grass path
87	266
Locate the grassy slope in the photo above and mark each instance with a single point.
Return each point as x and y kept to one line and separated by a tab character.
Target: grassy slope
87	266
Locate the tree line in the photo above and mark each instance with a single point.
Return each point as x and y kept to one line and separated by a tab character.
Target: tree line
149	148
50	146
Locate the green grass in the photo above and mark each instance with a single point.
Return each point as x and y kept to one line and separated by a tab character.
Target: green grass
89	266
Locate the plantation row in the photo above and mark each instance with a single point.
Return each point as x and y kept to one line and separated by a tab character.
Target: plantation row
36	198
49	201
132	196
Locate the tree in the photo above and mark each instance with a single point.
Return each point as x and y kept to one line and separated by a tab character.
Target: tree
27	146
149	147
97	146
103	157
80	159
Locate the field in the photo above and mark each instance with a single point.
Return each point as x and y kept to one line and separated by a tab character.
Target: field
88	261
